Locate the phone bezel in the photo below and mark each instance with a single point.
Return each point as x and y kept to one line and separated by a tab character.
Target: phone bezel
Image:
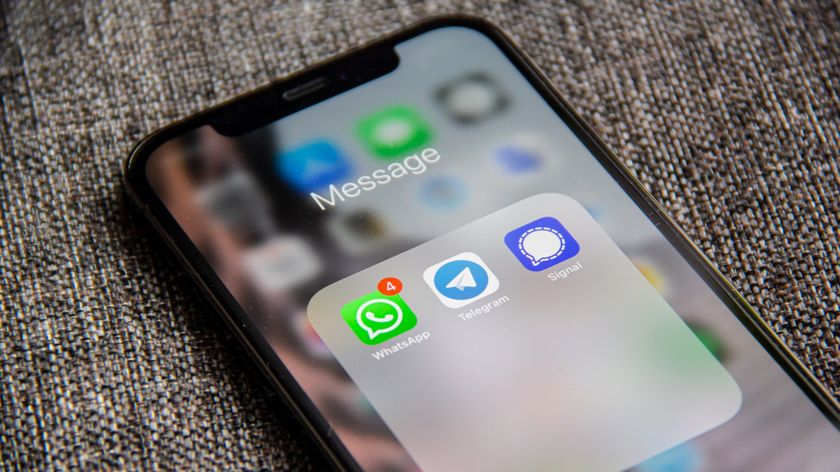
142	193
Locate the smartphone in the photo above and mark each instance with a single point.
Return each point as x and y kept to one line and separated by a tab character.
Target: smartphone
441	266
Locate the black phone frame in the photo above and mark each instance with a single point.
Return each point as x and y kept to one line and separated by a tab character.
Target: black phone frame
249	104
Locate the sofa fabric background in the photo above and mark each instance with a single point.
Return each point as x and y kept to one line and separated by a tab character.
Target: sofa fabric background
729	113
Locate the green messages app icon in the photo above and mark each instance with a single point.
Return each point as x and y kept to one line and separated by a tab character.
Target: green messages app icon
394	131
376	318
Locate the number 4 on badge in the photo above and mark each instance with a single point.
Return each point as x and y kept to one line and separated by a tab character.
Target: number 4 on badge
389	286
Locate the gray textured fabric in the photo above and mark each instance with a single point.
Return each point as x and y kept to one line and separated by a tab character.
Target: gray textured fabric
729	113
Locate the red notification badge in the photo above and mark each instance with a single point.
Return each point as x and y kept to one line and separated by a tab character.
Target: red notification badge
389	286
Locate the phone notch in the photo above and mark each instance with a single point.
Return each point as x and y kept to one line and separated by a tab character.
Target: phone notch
288	96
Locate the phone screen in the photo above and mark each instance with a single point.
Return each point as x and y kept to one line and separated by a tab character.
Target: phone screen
457	283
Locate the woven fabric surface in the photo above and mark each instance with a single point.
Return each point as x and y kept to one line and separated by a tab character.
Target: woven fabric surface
728	112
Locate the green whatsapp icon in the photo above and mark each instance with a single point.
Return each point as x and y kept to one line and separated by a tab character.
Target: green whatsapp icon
376	318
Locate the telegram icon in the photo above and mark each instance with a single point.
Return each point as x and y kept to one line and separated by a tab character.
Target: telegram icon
461	279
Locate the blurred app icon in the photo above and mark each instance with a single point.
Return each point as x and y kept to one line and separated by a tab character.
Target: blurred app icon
358	232
595	211
652	273
394	131
281	263
683	458
443	192
313	166
238	204
313	343
710	339
471	98
518	159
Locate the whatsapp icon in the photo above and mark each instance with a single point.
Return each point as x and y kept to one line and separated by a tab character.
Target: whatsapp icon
376	318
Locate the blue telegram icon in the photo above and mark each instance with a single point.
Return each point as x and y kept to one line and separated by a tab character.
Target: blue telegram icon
313	166
461	279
